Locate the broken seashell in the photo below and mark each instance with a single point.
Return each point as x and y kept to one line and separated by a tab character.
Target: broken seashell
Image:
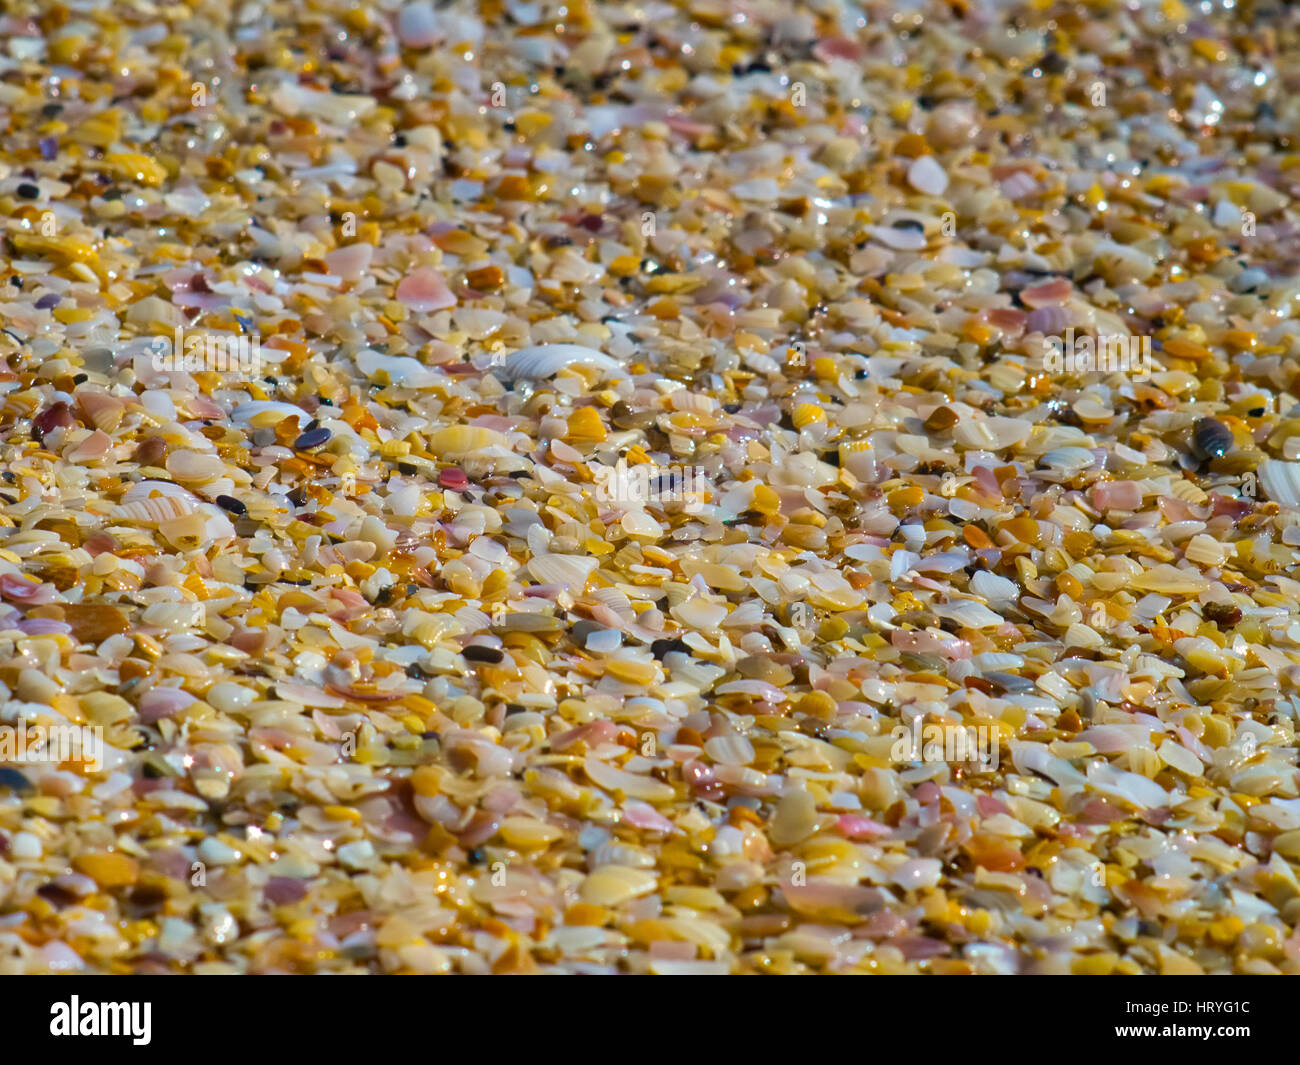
458	440
260	413
546	360
567	571
991	434
397	370
1281	481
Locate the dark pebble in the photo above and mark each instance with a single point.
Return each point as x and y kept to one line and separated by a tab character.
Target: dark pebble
151	451
1054	63
145	901
312	438
29	191
476	652
14	780
57	895
1223	615
624	417
231	504
50	299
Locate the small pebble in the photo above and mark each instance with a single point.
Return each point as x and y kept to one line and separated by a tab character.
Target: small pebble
927	176
14	780
151	451
1211	439
479	653
312	438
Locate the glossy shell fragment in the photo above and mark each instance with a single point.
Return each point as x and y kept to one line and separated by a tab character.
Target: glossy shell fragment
691	488
1211	439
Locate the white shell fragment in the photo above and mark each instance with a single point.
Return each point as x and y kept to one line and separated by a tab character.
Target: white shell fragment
546	360
397	370
1280	481
927	176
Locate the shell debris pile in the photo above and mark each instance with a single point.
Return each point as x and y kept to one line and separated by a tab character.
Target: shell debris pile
504	485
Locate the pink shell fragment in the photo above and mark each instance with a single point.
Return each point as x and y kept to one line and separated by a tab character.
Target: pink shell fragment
855	826
21	590
453	478
1056	291
424	290
643	815
95	446
838	48
158	703
351	261
1117	495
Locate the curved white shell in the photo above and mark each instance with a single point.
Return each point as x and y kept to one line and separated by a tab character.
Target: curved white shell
992	433
1281	481
992	587
398	370
970	614
568	571
544	360
1068	458
147	489
153	511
